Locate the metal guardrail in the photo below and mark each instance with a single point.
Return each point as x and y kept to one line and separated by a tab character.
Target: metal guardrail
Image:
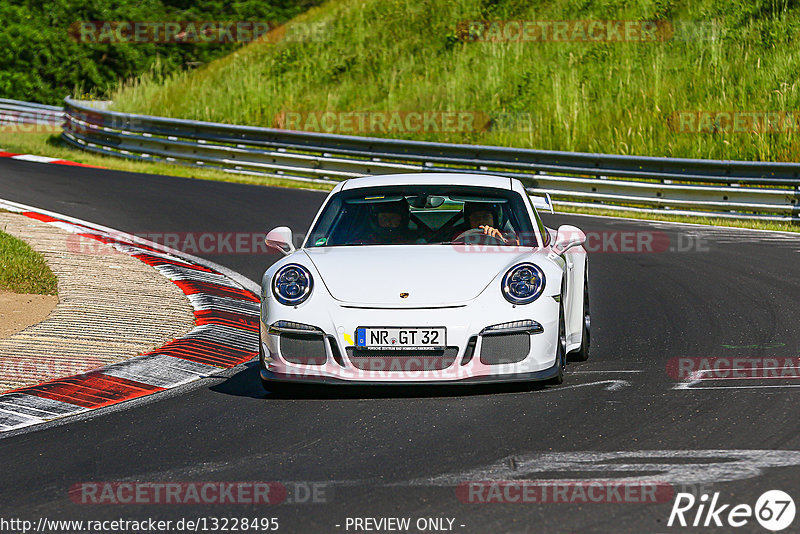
17	112
733	189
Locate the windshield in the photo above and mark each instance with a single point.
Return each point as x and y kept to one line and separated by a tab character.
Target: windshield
423	215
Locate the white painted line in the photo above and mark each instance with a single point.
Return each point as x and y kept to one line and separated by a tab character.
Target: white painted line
603	372
686	385
618	385
764	386
694	378
41	404
13	420
697	377
24	416
612	385
32	157
713	378
643	465
16	407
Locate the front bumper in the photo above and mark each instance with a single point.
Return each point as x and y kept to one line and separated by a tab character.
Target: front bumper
547	374
467	360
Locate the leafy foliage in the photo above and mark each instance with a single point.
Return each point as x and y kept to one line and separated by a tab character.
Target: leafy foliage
41	62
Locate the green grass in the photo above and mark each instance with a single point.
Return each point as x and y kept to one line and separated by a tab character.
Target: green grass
610	97
23	270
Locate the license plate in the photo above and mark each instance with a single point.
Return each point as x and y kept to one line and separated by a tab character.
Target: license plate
401	338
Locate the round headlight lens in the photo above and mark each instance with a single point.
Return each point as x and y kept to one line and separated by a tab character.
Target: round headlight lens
523	283
292	284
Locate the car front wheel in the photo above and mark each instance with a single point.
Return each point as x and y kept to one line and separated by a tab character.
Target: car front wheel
582	354
561	347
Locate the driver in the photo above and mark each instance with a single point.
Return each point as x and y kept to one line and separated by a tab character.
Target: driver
390	220
485	216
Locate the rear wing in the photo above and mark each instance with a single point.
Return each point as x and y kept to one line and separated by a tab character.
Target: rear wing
542	203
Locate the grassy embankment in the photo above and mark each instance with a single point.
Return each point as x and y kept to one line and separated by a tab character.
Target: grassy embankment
608	97
23	270
612	97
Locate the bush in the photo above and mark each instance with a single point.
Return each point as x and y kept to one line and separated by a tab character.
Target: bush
40	62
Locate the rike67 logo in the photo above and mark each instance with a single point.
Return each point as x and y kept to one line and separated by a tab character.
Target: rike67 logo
774	510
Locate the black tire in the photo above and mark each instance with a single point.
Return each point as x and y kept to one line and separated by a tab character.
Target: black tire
582	354
561	346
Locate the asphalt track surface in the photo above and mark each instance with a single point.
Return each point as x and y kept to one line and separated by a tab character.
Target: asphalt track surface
401	452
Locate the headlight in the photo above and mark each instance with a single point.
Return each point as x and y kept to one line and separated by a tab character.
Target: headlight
292	284
523	283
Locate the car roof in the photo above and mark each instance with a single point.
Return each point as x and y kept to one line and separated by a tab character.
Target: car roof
429	178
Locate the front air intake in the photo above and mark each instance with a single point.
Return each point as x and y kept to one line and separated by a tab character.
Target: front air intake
304	349
399	361
498	349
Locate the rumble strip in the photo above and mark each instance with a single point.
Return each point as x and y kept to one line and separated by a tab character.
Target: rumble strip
225	335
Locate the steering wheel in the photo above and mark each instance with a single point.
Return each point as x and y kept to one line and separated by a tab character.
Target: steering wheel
475	236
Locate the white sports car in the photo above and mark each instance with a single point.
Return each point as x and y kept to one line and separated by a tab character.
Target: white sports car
425	278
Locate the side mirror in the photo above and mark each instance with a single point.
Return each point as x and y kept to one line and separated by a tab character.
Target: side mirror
280	238
567	237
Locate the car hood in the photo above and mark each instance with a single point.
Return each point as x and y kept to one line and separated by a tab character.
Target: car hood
432	275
